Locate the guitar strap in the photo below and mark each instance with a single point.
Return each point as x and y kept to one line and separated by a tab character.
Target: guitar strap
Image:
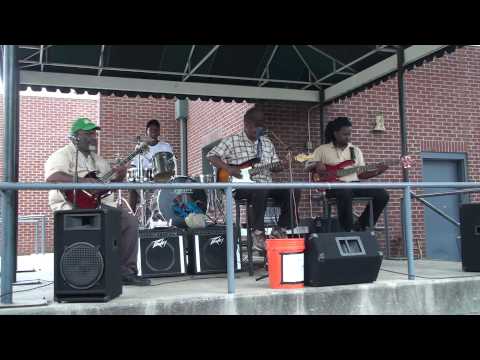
352	153
259	148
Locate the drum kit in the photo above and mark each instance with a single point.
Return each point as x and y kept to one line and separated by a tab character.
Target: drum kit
170	207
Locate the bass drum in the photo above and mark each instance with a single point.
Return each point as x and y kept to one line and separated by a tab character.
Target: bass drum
174	205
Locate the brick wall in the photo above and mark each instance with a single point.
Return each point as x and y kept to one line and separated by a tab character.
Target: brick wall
123	118
207	122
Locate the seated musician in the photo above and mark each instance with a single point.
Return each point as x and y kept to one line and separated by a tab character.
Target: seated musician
155	146
336	150
240	148
60	167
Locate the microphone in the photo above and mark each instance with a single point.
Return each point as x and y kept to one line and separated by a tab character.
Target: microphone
73	138
260	131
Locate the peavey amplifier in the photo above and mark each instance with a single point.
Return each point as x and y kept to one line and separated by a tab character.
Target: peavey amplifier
207	250
163	252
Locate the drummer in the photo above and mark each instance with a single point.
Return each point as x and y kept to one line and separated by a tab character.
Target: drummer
152	131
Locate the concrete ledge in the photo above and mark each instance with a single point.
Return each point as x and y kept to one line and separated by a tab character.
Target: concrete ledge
403	297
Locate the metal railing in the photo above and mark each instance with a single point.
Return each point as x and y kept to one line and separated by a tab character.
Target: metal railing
40	223
228	187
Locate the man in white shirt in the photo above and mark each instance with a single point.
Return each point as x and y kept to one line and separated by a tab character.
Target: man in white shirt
60	167
338	149
155	146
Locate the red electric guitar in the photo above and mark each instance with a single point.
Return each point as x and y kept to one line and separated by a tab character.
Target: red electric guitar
334	172
91	199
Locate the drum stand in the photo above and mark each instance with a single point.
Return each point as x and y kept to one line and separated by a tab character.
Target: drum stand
215	200
141	212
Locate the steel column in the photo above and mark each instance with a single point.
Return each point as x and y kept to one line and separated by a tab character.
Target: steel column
10	171
230	244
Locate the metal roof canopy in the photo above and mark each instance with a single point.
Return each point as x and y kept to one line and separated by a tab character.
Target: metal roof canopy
218	72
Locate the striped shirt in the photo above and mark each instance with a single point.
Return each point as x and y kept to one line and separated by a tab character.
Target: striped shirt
237	149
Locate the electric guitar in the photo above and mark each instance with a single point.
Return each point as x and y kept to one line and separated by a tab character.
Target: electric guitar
334	172
248	170
91	199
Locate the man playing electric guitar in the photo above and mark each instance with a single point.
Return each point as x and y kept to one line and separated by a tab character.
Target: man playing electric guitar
60	167
241	148
336	150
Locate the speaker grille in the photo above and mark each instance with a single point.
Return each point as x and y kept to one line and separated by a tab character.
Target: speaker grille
214	253
160	255
81	265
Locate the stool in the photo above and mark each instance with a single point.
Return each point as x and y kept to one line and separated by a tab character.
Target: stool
329	202
270	202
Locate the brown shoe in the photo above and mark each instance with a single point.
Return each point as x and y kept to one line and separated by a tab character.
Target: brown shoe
258	241
278	233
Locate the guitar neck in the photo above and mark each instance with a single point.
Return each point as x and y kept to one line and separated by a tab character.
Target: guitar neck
363	168
108	176
266	167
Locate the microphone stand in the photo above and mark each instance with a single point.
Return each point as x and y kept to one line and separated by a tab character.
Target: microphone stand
75	175
289	152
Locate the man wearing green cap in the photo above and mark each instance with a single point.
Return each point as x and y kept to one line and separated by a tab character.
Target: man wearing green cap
60	167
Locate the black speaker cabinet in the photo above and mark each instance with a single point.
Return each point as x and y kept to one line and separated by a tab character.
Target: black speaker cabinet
207	250
341	258
470	233
86	255
163	252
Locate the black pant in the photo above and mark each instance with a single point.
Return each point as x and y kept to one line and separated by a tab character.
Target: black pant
258	199
344	206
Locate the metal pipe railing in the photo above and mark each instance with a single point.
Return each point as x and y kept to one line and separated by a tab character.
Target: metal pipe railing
228	187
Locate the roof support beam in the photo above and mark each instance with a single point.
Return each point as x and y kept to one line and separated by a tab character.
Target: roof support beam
41	57
385	67
200	63
328	56
188	65
164	87
310	71
100	60
383	48
160	72
266	70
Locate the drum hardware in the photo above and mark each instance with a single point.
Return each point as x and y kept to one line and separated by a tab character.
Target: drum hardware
172	206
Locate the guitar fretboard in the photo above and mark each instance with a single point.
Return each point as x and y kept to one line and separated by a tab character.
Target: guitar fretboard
108	176
363	168
265	167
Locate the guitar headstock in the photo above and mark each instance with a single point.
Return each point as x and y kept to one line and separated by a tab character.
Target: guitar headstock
406	161
142	148
303	157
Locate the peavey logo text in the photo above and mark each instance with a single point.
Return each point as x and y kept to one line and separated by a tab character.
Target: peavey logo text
159	243
216	240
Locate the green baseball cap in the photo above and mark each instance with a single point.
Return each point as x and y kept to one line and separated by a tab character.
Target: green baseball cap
83	124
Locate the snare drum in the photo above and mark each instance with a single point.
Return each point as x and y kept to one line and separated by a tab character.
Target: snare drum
163	166
133	175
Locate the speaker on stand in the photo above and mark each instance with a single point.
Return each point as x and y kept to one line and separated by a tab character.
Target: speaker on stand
86	255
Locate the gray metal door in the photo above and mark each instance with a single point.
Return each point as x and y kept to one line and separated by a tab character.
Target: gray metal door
441	235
